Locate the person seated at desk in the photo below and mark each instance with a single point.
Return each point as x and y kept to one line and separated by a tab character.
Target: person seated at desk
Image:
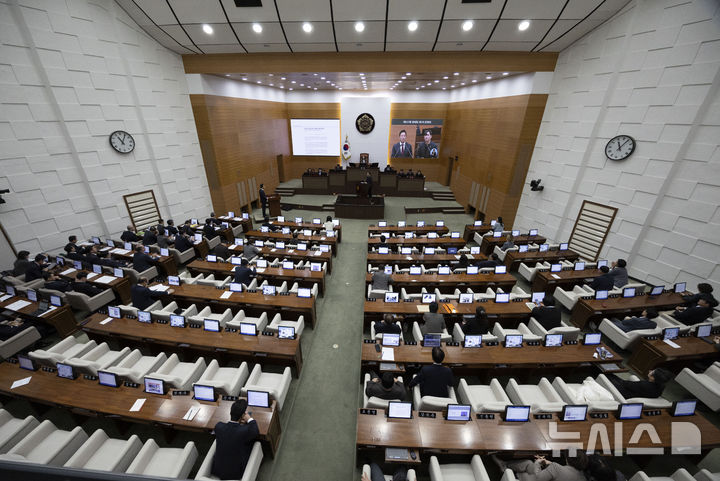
143	297
691	315
704	291
387	325
547	314
380	280
142	261
164	241
652	388
21	263
477	325
376	474
13	327
509	243
72	241
321	172
250	251
82	286
95	257
130	235
150	236
433	321
389	168
338	168
222	251
160	227
213	219
434	380
603	282
243	273
388	388
619	273
410	174
401	173
383	242
493	261
52	281
461	263
34	270
234	442
183	242
540	469
645	321
209	230
329	226
499	226
170	228
74	255
419	175
186	228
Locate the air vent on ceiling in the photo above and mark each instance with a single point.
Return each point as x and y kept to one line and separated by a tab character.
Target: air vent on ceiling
248	3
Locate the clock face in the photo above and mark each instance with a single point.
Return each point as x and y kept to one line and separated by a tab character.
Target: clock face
122	141
620	147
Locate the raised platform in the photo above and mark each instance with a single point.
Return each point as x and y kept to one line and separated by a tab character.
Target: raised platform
354	207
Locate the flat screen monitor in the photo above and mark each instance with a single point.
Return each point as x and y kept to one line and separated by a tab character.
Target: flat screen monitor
601	263
544	247
513	340
65	371
204	393
630	411
304	292
236	287
492	223
465	298
211	258
439	223
382	223
259	243
415	270
298	220
432	235
391	339
317	267
114	312
429	250
236	261
264	228
145	316
402	223
286	332
245	215
500	269
77	265
164	251
174	280
285	230
239	241
680	287
574	412
212	325
515	233
97	268
302	247
261	263
563	246
458	412
684	408
537	297
110	242
444	270
406	251
336	222
269	290
10	290
497	234
231	214
146	249
474	250
260	399
523	248
592	338
473	340
421	223
60	261
555	267
427	298
288	265
329	233
31	295
553	340
703	330
579	266
281	218
452	250
477	223
388	269
431	340
248	329
316	221
324	248
307	232
399	410
26	363
177	321
55	300
118	272
601	295
657	290
670	333
455	235
154	386
629	292
392	297
472	270
194	221
533	232
502	297
109	379
96	240
517	414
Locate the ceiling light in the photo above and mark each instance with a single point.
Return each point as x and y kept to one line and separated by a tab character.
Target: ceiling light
282	78
403	77
417	88
272	85
259	82
504	74
257	28
309	87
462	83
412	26
436	81
290	88
408	73
361	74
429	83
207	29
474	81
244	78
302	85
445	77
327	81
399	81
359	26
339	88
456	73
227	74
422	86
307	27
444	88
315	74
322	78
315	88
282	87
488	77
467	25
452	86
522	26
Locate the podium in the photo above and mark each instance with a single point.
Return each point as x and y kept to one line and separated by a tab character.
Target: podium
274	205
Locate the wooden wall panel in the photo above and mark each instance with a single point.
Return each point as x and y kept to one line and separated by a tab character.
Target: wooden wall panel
294	166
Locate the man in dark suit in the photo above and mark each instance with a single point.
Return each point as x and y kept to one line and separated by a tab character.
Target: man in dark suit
209	229
476	325
387	325
213	219
187	229
243	274
388	388
183	242
73	254
234	442
652	388
143	297
55	283
604	282
380	280
160	226
704	290
150	236
34	270
21	263
688	315
547	314
645	321
130	235
263	200
383	242
172	230
402	148
427	149
141	260
82	286
72	241
493	261
434	380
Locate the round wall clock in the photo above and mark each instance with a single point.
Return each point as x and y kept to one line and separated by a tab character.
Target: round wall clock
620	147
122	141
365	123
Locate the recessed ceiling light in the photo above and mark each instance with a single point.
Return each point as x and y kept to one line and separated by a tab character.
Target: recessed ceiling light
408	73
339	88
399	81
292	81
456	73
244	78
302	85
307	27
422	86
452	86
412	26
207	29
315	74
445	77
227	74
309	87
282	78
315	88
361	74
444	88
505	73
474	81
259	82
290	88
467	25
403	77
271	75
327	81
272	85
522	26
322	78
257	28
417	88
489	77
436	81
359	26
429	83
462	83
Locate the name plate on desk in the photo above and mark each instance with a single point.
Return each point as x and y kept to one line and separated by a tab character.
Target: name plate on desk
370	412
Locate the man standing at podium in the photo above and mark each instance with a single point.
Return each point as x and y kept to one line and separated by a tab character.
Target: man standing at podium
263	200
402	148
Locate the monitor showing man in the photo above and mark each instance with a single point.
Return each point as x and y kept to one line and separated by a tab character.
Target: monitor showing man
427	149
401	148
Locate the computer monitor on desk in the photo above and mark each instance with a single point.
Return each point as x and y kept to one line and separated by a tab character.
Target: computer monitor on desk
259	399
399	410
458	412
391	339
431	340
517	414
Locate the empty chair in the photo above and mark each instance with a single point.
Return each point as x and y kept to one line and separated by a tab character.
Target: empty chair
412	295
211	281
483	398
134	367
679	475
501	253
428	270
214	242
459	336
226	380
432	403
153	460
240	317
180	375
706	475
475	471
275	384
46	293
190	311
398	270
588	392
705	386
488	294
46	444
418	335
379	335
278	289
182	257
371	268
377	293
500	332
165	313
103	453
12	430
83	302
65	349
277	322
625	340
187	278
454	296
133	311
542	398
655	403
18	342
570	297
251	468
374	401
207	313
388	477
570	333
313	290
518	293
99	358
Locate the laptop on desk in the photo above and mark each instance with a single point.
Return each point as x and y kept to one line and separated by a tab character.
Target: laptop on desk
43	307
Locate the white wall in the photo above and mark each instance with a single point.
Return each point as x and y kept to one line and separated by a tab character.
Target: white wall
376	142
70	74
653	72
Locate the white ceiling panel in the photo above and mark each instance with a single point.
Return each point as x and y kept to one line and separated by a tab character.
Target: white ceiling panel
266	13
158	11
510	46
177	33
452	31
266	47
578	9
222	34
374	32
313	47
463	11
408	46
398	32
272	33
308	11
193	11
354	10
446	46
360	47
507	31
135	12
534	9
415	10
574	35
321	33
224	48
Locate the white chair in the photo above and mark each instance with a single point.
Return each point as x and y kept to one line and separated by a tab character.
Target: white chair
211	281
226	380
150	274
705	386
12	430
588	392
428	270
190	311
483	398
103	453
373	401
501	253
153	460
276	384
654	403
65	349
706	475
398	270
379	335
180	375
97	359
277	322
46	444
418	335
313	290
542	398
278	289
164	313
377	293
570	333
459	335
488	294
412	295
500	332
251	468
528	273
207	313
240	317
83	302
517	293
432	403
411	476
679	475
18	342
133	311
625	340
212	243
187	278
134	367
182	257
475	471
569	298
454	296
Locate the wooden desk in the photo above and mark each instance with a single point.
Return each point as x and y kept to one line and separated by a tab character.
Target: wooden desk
224	232
471	230
209	295
649	354
304	277
431	260
121	285
489	242
61	318
247	224
586	310
87	397
546	282
395	230
263	349
292	254
450	281
279	236
419	242
530	258
309	225
512	311
165	264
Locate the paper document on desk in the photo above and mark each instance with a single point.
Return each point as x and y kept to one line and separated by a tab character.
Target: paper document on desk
5	297
85	243
191	413
226	295
106	280
21	382
233	246
469	256
388	354
556	276
91	275
17	305
260	271
105	321
105	249
530	305
671	344
137	405
118	250
68	271
423	308
50	309
159	288
318	253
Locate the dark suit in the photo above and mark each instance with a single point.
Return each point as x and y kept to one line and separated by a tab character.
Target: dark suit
171	229
548	317
424	150
164	241
33	271
391	328
405	152
376	389
488	263
635	323
244	275
474	327
620	276
20	266
213	220
691	315
693	299
263	201
434	380
209	231
86	288
143	297
434	323
79	249
58	285
129	236
182	244
604	282
149	238
234	442
631	389
142	262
